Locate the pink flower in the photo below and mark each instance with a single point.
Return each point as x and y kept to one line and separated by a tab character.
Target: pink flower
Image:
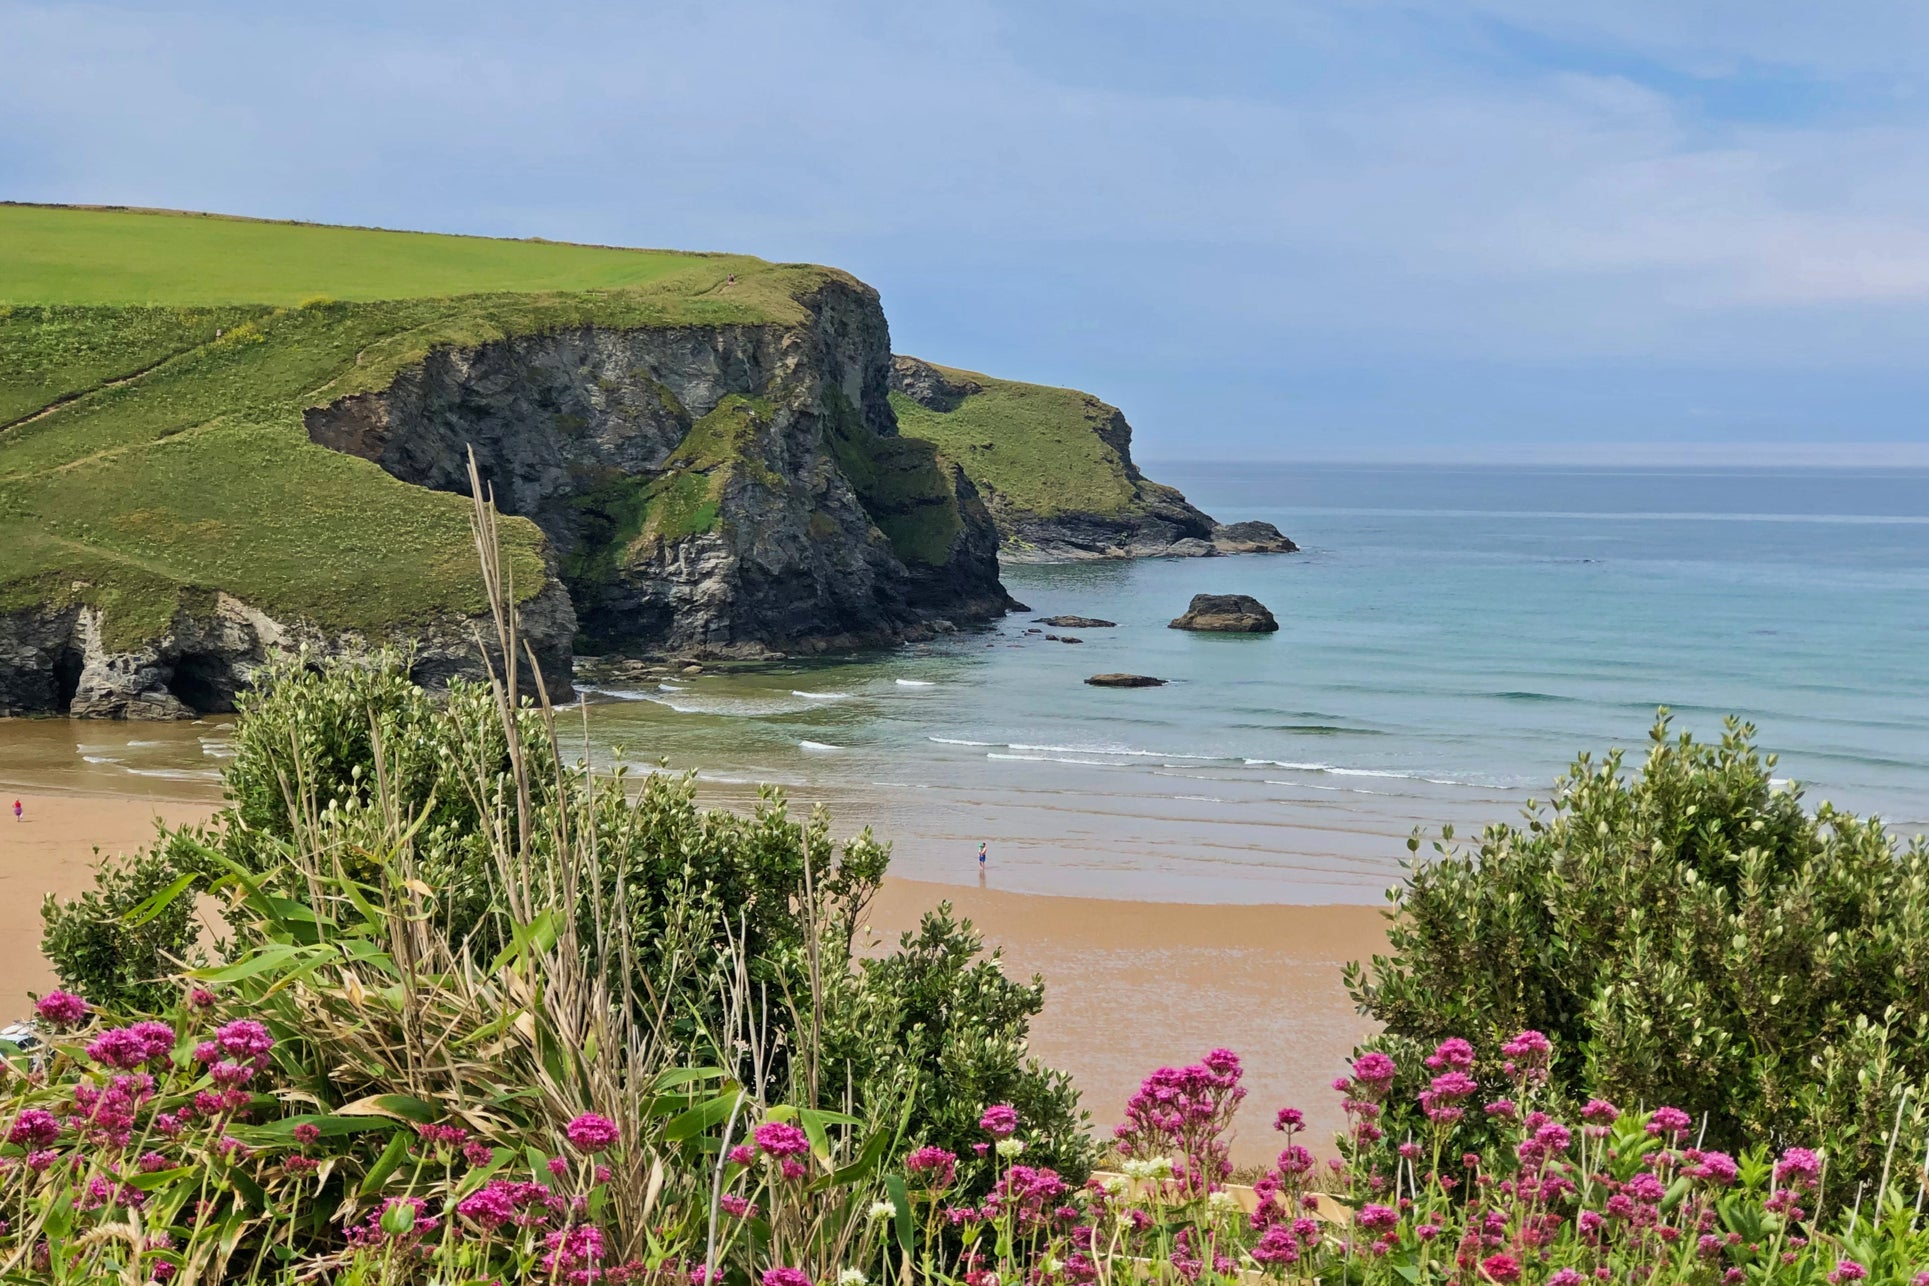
1453	1054
1376	1218
62	1009
1669	1120
1600	1112
590	1133
1798	1167
307	1132
201	998
737	1207
1289	1119
574	1253
1847	1270
34	1128
999	1121
558	1166
781	1139
785	1277
743	1154
244	1038
933	1168
131	1047
1501	1268
1566	1277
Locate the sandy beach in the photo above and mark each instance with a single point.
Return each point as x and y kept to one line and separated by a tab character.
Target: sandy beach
1129	985
55	848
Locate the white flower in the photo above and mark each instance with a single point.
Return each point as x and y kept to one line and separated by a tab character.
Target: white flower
1114	1185
1136	1169
879	1210
850	1276
1222	1200
1050	1265
1010	1147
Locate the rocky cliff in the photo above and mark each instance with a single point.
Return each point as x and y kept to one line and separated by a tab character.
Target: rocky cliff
1055	468
720	490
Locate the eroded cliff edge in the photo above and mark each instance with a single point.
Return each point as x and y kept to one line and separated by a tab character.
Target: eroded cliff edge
1055	468
728	490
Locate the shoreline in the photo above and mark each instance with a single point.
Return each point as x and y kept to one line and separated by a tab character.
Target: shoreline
1129	985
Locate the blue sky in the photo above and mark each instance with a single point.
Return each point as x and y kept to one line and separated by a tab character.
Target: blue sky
1647	231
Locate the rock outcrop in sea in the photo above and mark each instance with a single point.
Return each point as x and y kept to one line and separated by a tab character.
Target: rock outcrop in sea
1226	614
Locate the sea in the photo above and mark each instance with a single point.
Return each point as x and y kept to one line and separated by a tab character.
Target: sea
1450	640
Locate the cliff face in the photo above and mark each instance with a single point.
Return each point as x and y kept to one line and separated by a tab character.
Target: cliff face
1055	467
62	659
720	490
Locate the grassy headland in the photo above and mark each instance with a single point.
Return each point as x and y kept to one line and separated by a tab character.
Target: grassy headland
1038	447
156	367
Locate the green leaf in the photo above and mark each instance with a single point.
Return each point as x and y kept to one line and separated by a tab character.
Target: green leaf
385	1165
400	1107
901	1206
159	902
703	1116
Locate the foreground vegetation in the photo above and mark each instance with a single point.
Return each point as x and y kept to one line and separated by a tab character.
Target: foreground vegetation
484	1018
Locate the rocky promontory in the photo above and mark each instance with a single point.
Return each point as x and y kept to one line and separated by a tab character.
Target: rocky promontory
1055	469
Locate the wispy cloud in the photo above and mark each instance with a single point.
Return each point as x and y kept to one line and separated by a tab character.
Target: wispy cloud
1233	218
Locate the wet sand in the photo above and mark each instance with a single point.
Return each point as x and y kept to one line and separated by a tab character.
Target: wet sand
1130	985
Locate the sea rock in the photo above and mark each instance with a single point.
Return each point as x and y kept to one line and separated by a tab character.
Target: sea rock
1226	614
1076	622
1251	537
1125	681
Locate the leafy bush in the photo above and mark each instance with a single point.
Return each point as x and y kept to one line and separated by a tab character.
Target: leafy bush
332	757
939	1022
123	940
1693	936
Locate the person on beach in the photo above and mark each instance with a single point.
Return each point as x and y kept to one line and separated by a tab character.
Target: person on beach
17	810
981	852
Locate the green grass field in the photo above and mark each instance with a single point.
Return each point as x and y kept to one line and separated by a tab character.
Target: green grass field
144	460
1036	447
98	256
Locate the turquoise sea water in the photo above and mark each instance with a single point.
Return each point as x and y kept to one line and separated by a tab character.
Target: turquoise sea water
1450	638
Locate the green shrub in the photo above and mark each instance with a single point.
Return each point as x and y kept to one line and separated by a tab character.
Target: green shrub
110	945
1700	938
939	1021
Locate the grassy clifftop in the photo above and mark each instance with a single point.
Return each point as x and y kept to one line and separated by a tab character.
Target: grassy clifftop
1042	449
154	368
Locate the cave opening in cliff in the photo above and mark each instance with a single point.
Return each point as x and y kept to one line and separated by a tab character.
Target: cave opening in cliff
67	667
203	682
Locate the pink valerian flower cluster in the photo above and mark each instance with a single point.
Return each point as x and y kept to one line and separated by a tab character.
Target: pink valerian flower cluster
999	1121
1031	1197
1529	1057
590	1134
575	1254
1364	1091
504	1203
1185	1113
931	1169
782	1143
785	1277
133	1047
62	1009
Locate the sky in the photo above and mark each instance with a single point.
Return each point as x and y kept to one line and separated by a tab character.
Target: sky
1646	232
